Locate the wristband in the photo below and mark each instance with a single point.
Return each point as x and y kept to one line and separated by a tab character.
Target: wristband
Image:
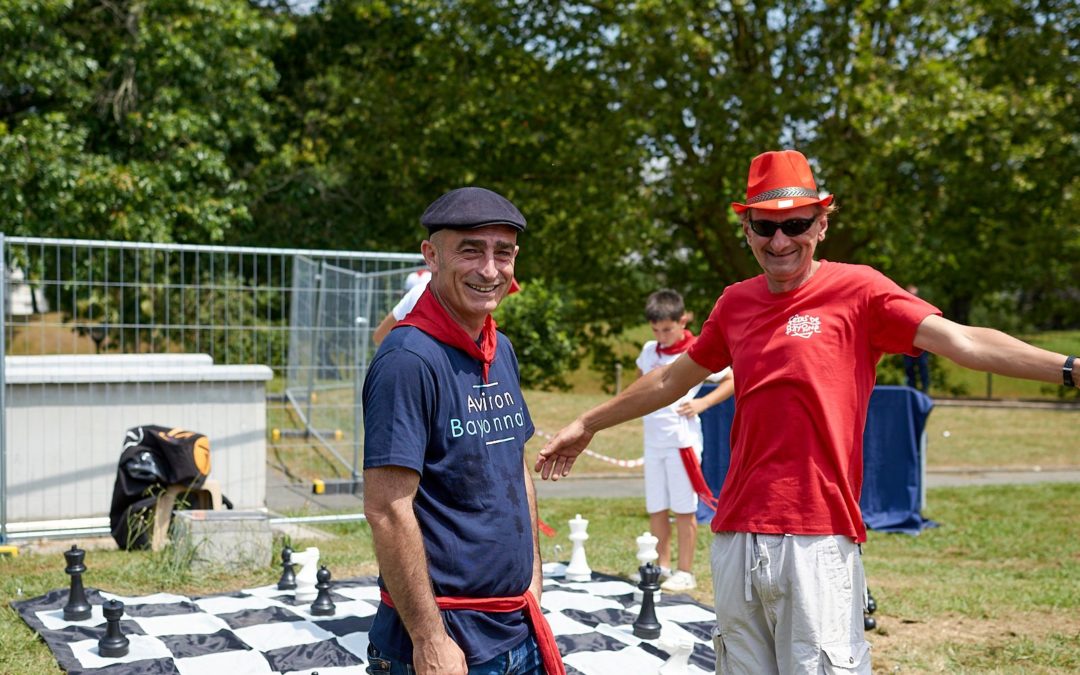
1067	372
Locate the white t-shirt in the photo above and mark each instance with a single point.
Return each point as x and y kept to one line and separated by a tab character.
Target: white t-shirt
408	301
665	428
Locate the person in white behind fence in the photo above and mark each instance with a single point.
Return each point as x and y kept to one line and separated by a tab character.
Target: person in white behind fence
415	284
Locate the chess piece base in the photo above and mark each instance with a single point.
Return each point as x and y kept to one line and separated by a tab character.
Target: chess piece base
114	651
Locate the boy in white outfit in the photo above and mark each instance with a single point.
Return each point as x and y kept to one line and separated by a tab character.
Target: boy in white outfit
669	429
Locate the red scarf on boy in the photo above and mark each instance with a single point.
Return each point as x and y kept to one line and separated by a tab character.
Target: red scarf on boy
431	317
688	456
679	347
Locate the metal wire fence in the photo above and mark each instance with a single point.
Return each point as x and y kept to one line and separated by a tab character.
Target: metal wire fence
306	314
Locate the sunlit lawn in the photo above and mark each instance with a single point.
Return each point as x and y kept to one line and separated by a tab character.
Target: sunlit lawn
995	589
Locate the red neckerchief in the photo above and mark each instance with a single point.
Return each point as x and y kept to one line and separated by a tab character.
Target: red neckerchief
679	347
545	639
431	317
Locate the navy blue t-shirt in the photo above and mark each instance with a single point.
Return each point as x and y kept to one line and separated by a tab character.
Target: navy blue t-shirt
427	408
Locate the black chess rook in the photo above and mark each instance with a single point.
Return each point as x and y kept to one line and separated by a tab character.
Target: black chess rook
324	604
288	571
113	644
646	626
77	607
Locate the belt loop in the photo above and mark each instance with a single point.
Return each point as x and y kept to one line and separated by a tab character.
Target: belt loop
746	568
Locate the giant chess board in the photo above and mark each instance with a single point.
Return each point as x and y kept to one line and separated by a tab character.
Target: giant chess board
263	630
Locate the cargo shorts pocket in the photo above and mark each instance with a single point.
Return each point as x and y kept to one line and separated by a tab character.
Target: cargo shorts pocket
845	658
718	649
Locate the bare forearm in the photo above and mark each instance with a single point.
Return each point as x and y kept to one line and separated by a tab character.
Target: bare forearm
399	550
654	390
537	582
989	350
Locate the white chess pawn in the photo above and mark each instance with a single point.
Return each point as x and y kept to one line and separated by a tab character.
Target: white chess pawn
308	559
578	569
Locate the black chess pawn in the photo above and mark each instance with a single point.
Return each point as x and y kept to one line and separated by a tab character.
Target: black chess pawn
77	607
288	571
113	644
646	626
324	604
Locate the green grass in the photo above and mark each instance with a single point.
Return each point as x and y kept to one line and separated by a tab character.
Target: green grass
995	589
994	437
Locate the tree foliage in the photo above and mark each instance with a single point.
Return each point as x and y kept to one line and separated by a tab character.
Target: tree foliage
949	132
131	120
540	324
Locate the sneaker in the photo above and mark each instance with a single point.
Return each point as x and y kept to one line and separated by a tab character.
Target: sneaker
679	582
665	572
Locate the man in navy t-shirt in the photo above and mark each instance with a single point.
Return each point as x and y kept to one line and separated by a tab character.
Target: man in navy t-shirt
447	492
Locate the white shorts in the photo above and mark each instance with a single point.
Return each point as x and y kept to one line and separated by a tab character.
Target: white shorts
788	604
667	487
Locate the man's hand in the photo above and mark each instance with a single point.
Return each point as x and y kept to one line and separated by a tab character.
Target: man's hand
557	457
439	656
694	406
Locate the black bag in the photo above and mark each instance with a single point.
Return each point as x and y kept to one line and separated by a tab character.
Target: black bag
153	458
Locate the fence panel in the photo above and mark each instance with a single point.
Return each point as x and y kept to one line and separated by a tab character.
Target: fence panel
295	324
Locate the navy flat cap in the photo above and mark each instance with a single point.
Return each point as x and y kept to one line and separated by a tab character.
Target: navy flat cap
471	207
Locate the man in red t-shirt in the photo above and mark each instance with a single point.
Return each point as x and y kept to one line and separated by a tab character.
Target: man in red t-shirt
805	338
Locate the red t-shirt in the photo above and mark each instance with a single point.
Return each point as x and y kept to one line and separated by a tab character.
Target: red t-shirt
805	364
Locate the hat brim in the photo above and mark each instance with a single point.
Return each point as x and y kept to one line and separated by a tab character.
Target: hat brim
435	227
783	204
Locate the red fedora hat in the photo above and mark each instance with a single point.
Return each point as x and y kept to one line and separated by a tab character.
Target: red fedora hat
780	180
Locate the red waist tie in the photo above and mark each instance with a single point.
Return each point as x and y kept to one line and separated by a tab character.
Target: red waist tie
697	479
545	639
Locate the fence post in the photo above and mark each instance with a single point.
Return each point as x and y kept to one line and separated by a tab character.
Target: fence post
3	390
618	377
989	386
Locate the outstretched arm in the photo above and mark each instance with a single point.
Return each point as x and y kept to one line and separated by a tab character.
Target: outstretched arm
989	350
658	388
722	392
399	548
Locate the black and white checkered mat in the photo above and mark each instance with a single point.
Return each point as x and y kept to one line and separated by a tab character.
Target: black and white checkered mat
263	630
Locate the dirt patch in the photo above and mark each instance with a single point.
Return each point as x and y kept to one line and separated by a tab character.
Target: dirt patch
902	645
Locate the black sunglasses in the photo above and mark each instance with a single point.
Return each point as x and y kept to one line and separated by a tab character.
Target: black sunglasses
791	227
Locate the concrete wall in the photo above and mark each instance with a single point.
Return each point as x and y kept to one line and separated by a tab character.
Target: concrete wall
67	415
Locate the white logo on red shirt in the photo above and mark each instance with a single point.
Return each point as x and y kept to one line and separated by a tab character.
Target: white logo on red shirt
803	326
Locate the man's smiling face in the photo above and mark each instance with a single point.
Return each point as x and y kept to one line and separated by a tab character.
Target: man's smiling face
786	261
471	271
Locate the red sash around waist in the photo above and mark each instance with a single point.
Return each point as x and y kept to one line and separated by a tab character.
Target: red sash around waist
545	639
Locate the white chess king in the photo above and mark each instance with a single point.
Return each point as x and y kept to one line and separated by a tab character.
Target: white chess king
578	569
